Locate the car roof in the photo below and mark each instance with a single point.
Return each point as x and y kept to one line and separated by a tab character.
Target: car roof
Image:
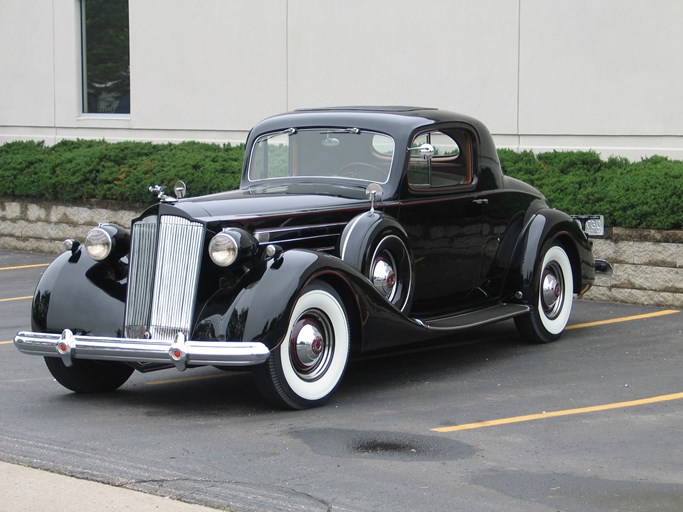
398	121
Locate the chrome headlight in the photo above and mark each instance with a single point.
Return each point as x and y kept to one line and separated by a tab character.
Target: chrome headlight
223	249
98	243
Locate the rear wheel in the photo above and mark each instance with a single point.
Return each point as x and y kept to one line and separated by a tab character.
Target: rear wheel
309	364
553	298
89	376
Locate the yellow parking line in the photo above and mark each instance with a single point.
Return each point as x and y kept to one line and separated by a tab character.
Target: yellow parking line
25	266
17	298
555	414
623	319
6	342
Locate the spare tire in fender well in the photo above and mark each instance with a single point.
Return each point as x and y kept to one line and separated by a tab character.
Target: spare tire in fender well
377	246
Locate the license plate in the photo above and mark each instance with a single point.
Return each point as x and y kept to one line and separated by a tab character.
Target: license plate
592	225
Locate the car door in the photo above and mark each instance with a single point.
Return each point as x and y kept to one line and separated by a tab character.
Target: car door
441	212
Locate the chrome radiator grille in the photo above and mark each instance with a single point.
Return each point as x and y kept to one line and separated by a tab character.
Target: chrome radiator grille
165	255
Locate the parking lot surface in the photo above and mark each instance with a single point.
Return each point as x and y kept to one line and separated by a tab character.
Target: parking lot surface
478	422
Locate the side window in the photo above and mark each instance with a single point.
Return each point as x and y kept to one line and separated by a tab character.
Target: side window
451	164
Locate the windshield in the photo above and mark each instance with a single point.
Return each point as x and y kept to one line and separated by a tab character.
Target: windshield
322	153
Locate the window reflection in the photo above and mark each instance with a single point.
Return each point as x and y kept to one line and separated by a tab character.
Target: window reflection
106	57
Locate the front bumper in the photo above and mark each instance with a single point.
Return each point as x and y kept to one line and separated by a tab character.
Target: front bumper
180	352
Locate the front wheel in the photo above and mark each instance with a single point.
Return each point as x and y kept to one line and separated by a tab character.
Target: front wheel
553	298
89	376
309	364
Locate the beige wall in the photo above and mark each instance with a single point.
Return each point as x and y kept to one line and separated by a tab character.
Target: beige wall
542	75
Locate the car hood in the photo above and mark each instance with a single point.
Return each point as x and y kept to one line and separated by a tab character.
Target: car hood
271	201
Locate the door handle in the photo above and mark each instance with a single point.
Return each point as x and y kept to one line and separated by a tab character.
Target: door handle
480	201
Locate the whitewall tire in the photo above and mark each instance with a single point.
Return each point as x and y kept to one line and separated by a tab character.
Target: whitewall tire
552	300
307	367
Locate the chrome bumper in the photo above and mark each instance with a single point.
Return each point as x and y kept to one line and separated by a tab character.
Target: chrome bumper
603	267
180	352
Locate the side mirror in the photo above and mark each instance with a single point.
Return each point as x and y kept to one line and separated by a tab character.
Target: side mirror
374	193
425	151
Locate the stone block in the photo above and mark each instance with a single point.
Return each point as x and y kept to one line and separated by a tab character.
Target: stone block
664	254
31	245
645	277
631	296
36	212
10	210
91	217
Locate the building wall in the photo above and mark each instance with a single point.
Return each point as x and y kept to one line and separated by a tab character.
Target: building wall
542	75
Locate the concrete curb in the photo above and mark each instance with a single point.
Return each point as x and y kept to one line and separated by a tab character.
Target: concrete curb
27	490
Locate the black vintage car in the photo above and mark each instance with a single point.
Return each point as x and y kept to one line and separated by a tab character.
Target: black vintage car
353	230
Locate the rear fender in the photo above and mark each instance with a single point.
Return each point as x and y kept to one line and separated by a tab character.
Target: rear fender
545	227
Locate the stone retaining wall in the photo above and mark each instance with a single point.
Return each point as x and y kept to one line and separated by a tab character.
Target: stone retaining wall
648	265
43	226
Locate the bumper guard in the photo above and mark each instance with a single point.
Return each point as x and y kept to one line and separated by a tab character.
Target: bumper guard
180	352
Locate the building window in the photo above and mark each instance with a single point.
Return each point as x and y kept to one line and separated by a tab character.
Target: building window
106	56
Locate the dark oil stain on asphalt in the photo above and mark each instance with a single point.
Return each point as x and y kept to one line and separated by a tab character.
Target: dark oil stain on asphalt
383	445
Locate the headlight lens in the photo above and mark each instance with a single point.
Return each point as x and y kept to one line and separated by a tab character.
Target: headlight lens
223	249
98	243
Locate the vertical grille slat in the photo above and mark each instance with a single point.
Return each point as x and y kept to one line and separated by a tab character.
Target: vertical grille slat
165	260
140	275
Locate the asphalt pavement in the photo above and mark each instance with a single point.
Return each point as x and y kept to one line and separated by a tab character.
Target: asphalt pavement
590	423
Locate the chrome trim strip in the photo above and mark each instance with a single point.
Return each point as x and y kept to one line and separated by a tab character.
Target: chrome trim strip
299	228
192	353
302	239
344	241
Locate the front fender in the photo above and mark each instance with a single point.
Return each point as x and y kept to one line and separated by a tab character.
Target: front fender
259	308
78	293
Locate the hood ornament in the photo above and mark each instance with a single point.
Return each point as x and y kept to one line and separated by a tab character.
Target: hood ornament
180	190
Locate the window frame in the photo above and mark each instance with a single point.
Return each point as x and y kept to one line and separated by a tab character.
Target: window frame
465	142
293	154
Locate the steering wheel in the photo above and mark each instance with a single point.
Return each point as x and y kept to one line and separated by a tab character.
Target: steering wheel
363	171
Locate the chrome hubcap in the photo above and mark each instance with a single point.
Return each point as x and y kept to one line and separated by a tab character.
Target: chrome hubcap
311	345
383	275
552	290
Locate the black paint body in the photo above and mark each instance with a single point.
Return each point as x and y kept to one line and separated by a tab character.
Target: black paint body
474	246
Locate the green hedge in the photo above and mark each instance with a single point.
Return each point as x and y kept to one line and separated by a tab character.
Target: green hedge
645	194
79	170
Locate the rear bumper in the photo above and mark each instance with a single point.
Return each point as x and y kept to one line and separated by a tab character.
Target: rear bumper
180	352
603	267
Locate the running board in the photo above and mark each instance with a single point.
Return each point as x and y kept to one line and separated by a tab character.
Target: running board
475	318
